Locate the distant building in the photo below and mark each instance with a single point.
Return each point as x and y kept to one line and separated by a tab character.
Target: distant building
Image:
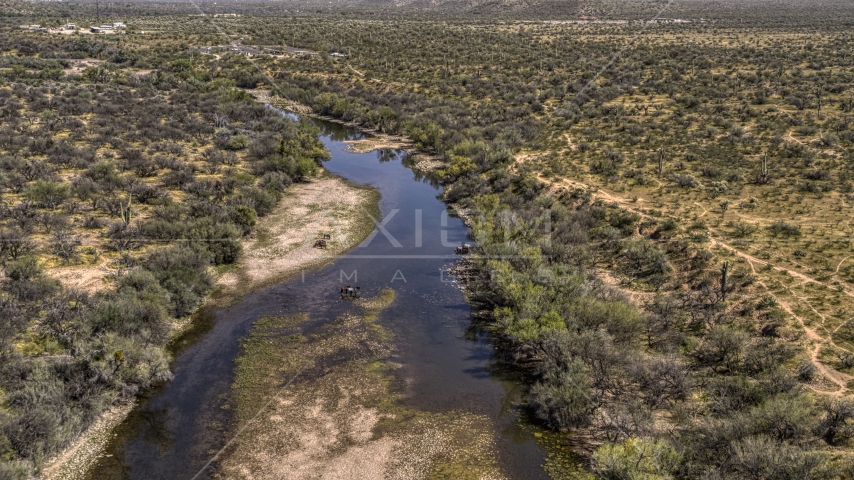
337	54
118	25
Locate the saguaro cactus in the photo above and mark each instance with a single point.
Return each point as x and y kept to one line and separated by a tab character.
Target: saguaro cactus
724	275
126	214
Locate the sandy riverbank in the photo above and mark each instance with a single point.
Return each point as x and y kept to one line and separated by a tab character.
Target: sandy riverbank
420	160
283	242
281	246
367	145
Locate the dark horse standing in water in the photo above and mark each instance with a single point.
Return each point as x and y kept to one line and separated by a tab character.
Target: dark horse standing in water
350	292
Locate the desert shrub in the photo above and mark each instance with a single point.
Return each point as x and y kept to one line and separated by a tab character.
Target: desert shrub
635	459
179	177
686	181
181	271
124	236
722	349
26	280
562	398
258	199
837	422
644	259
145	193
105	174
14	242
220	240
621	321
64	244
785	229
263	146
93	222
38	431
237	142
294	167
48	194
25	214
275	182
243	217
743	229
132	315
624	220
161	229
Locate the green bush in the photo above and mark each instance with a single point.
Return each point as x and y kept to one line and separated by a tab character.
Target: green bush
644	259
562	399
243	217
48	194
637	459
23	269
262	201
183	272
238	142
220	240
306	168
131	315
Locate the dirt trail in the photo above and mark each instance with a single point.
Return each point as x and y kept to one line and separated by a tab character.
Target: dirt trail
839	265
835	376
840	379
792	137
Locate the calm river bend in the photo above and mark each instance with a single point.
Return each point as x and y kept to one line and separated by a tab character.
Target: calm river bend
176	428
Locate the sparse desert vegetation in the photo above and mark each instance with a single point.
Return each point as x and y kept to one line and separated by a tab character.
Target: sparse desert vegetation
661	209
104	181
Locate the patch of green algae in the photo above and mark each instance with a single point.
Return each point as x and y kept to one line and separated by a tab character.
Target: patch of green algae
261	368
448	445
562	463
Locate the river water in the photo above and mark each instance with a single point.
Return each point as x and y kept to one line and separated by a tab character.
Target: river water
446	366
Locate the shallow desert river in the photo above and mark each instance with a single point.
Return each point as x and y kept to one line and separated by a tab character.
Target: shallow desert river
441	365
